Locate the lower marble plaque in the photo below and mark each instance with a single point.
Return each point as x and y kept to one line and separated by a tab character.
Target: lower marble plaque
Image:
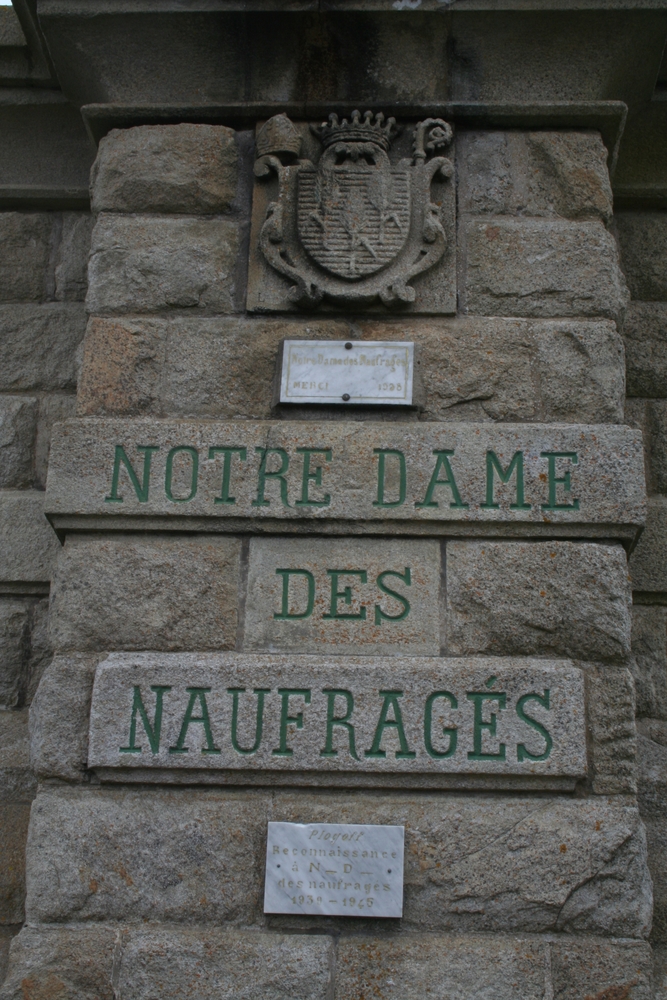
350	720
336	869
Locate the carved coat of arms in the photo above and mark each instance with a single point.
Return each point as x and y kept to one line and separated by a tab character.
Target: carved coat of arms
354	227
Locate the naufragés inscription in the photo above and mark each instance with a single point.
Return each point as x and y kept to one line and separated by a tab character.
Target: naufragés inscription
347	372
341	870
583	478
243	713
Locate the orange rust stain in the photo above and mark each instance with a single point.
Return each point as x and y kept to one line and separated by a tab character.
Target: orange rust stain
563	848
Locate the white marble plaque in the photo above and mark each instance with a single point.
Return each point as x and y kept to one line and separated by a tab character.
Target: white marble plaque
337	869
347	372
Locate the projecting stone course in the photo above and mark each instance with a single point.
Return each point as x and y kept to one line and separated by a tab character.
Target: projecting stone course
166	168
551	598
159	592
512	864
475	368
143	263
536	267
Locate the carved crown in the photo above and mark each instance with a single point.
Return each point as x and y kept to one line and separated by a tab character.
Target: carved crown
278	135
378	132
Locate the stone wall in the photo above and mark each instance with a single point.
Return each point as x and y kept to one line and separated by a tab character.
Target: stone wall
157	890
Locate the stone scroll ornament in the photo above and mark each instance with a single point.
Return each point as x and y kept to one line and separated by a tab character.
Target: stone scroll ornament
353	228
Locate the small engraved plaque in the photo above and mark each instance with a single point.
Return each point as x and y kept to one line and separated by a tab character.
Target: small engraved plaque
336	869
347	372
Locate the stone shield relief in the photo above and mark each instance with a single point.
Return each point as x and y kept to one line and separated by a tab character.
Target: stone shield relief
355	223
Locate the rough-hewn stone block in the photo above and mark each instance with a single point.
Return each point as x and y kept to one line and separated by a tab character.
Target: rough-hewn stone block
13	649
649	649
28	544
552	598
18	425
304	611
148	263
648	562
71	270
600	970
74	962
513	864
560	174
529	267
642	237
475	368
25	238
166	168
645	334
14	817
17	783
59	717
145	593
611	721
38	346
652	761
659	971
52	410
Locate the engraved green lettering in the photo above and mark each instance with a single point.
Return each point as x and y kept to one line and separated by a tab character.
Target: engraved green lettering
194	455
516	465
284	613
315	476
442	464
196	694
286	719
339	720
259	719
563	481
277	475
522	752
152	731
344	595
141	489
227	470
478	698
381	615
390	701
382	454
451	732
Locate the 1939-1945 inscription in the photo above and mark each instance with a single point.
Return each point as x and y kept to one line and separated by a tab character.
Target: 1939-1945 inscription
230	715
379	474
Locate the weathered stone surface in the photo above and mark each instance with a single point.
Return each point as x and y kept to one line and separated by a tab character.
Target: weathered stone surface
522	267
59	718
25	238
416	966
653	729
611	721
71	270
130	592
38	346
41	653
642	238
74	962
551	598
604	970
560	174
301	612
18	425
148	263
659	971
645	335
649	648
656	444
200	963
477	368
52	410
652	761
14	817
28	544
13	648
17	783
288	727
606	494
507	864
166	168
648	562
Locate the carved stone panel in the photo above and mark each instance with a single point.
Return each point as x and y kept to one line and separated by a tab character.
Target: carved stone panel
353	214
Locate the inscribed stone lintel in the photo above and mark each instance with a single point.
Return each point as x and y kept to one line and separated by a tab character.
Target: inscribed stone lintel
521	480
316	720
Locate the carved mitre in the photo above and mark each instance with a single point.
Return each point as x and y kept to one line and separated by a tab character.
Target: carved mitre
352	226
